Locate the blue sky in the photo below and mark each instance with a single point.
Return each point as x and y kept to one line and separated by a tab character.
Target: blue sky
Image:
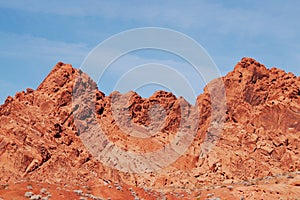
35	35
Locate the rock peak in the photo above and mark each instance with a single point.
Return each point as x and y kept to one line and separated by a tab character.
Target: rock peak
41	133
249	64
60	75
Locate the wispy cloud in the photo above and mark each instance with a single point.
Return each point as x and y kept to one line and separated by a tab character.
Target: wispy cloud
268	17
28	47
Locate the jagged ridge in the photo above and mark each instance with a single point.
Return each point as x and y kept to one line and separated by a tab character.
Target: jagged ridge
39	141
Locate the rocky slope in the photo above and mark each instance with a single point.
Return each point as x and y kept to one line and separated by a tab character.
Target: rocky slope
47	135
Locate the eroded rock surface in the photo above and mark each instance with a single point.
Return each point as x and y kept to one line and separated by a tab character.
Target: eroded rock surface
47	137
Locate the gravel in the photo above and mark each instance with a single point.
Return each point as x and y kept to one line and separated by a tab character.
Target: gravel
28	194
79	192
29	187
35	197
43	191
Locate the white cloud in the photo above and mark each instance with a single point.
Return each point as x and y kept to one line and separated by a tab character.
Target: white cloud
28	47
268	17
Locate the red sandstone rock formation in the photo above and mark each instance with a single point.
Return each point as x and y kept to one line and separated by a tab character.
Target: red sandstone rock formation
43	133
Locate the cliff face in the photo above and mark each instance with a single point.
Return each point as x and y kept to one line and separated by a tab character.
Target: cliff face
46	135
